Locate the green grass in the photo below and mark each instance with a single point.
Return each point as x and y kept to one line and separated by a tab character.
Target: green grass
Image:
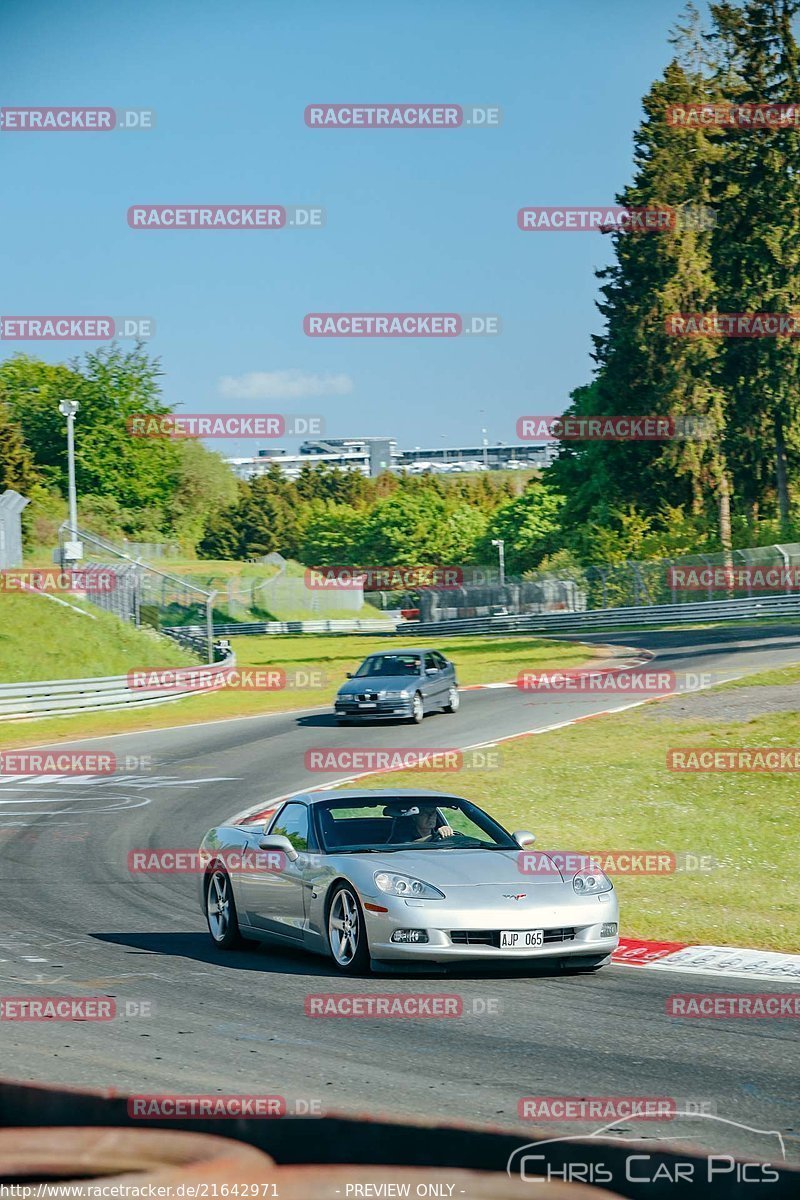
40	639
478	660
604	785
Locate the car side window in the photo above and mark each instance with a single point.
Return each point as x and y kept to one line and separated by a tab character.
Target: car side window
431	663
440	660
292	823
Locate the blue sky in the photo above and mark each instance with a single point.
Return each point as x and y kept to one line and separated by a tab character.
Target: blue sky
417	221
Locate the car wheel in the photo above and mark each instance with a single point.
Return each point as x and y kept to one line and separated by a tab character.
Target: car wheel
417	709
223	923
347	933
453	700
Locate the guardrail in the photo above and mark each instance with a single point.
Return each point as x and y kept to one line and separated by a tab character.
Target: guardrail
618	618
62	697
235	629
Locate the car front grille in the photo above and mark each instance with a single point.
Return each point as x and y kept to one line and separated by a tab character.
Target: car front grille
491	937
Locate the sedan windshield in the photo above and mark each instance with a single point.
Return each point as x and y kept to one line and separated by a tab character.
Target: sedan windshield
389	664
412	824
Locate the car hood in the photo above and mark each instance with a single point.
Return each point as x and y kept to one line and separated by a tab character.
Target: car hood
383	683
460	868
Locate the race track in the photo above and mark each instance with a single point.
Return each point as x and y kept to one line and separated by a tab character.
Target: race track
77	923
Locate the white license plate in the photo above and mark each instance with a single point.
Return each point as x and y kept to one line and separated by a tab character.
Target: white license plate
521	939
364	704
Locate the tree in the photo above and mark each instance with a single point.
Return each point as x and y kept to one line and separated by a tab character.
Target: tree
16	462
528	525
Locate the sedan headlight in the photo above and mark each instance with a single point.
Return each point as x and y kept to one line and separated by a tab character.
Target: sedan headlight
406	885
396	695
591	883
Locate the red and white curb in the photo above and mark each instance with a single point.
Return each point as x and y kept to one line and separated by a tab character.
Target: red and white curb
729	962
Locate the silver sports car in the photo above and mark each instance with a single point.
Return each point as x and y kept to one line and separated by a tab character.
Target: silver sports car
372	877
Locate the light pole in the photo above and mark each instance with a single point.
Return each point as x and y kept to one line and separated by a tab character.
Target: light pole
501	554
485	450
73	551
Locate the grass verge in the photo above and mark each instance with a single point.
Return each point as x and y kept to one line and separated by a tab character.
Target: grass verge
604	785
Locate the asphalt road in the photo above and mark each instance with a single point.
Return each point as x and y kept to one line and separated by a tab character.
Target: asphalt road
75	922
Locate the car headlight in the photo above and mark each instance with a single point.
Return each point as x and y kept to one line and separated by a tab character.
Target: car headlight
406	885
396	695
591	883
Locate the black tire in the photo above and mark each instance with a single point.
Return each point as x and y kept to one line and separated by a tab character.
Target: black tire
350	953
418	712
454	700
223	929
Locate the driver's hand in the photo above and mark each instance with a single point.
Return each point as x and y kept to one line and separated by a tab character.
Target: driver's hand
444	831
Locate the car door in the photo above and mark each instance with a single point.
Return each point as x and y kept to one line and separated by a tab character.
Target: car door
448	672
275	899
433	681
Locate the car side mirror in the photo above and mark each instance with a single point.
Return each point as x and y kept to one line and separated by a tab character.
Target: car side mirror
276	841
349	675
431	671
523	838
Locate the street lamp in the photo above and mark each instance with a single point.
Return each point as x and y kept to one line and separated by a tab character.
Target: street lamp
485	450
501	554
73	550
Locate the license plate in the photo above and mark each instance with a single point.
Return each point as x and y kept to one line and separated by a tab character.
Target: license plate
366	704
521	939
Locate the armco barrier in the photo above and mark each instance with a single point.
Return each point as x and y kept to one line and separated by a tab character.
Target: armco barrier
618	618
247	628
61	697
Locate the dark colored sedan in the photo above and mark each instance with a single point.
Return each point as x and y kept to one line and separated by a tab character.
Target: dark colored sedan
398	685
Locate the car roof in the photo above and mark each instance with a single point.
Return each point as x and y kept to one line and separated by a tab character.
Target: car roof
373	794
406	650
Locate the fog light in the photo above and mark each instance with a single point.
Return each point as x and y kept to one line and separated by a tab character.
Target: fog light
409	935
609	929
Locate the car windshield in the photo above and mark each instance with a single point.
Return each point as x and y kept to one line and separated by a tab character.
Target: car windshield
389	664
393	826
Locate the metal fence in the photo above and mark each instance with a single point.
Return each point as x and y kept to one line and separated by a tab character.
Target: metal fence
747	573
618	618
144	594
249	628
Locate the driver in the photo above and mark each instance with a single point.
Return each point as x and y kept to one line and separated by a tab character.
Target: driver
421	826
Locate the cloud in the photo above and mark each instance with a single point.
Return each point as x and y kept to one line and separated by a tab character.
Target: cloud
283	385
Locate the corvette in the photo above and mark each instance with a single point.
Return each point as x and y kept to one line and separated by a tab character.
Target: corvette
385	877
